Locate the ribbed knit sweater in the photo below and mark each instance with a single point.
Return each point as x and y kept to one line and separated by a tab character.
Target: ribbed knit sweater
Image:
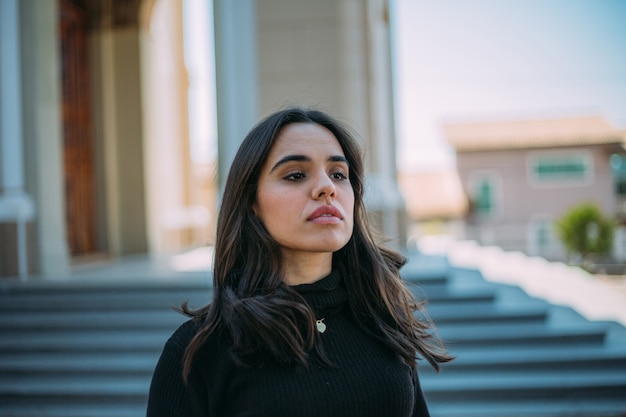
366	379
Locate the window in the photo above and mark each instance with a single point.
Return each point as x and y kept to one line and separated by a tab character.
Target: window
618	166
484	196
555	169
483	192
542	240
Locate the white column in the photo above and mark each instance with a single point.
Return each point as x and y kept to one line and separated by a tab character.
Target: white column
10	102
382	194
15	205
43	134
236	77
166	141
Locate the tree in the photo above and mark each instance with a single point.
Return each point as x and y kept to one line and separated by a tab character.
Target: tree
584	231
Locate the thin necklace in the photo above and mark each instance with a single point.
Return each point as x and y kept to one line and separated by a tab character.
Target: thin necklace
321	326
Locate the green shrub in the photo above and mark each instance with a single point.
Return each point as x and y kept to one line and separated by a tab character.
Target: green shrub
584	231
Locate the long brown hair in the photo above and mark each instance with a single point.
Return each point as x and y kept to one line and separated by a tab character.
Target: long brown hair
265	317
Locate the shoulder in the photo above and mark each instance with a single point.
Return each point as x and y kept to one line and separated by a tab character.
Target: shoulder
172	395
215	344
183	335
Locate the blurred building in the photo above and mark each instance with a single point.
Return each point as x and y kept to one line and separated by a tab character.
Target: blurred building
435	202
95	148
521	176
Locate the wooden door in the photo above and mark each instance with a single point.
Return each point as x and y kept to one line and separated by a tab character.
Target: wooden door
77	134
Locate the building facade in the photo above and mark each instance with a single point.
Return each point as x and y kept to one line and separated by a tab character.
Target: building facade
520	177
94	139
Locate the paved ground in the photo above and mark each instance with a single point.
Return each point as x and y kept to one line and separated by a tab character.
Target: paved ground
615	282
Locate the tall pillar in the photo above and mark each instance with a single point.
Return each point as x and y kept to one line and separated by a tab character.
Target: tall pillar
43	137
16	206
383	195
236	77
119	126
167	134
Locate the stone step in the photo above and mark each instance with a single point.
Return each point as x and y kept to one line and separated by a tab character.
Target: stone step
554	358
149	299
573	384
533	385
520	334
86	363
116	284
88	396
138	341
411	273
540	407
427	282
166	319
92	409
477	361
147	340
169	319
53	388
446	295
152	299
426	266
486	313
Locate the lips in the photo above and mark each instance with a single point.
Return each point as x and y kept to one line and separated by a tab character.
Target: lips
325	212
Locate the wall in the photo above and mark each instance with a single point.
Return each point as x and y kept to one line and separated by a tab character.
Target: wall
520	204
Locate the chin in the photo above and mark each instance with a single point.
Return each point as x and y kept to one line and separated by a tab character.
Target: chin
333	246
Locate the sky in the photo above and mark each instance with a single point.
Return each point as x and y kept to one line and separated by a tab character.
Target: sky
482	60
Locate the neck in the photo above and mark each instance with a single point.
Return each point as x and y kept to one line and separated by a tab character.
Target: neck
306	269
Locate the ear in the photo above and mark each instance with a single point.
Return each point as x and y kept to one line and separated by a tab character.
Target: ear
255	209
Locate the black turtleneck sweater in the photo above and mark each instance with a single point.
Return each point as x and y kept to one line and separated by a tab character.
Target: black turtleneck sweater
367	379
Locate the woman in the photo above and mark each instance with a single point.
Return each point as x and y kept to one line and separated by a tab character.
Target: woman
309	315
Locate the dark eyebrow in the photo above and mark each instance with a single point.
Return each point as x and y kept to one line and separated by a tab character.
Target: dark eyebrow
290	158
338	158
304	158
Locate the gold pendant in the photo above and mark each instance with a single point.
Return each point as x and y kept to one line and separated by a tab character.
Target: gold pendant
321	327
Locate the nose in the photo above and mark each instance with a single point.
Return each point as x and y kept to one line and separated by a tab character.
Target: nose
324	188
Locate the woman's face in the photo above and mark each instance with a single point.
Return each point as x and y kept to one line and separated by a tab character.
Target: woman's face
304	197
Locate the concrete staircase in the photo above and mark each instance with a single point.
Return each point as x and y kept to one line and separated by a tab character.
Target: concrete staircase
516	355
88	350
85	350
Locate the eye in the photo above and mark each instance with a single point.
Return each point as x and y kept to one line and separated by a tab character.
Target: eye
339	176
294	176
